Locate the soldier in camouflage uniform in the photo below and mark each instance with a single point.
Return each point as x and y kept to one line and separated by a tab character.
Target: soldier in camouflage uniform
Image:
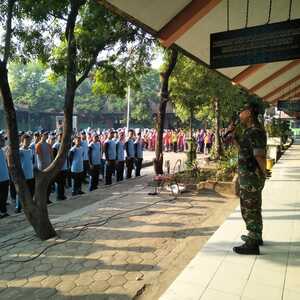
252	172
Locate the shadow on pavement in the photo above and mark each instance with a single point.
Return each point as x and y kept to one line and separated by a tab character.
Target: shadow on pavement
18	293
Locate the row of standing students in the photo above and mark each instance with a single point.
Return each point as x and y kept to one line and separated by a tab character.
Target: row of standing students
85	158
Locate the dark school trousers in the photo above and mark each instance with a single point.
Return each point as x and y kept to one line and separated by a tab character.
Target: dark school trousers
120	170
60	180
138	166
129	166
175	146
110	169
94	177
76	183
86	168
3	195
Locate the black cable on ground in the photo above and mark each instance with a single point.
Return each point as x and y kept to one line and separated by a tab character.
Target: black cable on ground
83	228
32	236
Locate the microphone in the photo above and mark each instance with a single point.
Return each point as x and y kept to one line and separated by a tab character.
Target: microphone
235	120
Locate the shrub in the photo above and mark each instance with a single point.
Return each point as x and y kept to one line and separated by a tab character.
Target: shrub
227	165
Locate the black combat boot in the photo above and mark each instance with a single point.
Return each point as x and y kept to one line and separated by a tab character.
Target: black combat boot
249	248
245	238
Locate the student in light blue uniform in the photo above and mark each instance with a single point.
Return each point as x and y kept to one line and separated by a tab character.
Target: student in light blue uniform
85	147
120	156
110	150
76	162
61	177
138	150
4	180
95	154
27	163
129	147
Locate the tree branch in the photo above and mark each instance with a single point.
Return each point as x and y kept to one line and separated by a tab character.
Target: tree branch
8	33
75	5
89	67
172	63
58	17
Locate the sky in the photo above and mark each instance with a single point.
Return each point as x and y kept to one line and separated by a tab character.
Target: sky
157	62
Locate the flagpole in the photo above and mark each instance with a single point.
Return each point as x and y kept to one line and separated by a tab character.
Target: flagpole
128	107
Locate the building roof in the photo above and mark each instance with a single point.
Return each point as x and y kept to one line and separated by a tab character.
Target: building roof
188	24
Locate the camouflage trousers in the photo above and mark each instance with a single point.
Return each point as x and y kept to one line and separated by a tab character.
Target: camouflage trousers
250	202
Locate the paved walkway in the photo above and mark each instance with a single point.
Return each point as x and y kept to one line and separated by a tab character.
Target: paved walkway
58	208
216	273
112	243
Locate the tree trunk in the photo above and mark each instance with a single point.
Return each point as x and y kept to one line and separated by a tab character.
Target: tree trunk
158	162
160	121
36	209
218	144
31	210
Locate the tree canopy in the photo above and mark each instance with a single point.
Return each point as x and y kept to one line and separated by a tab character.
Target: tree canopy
34	85
194	87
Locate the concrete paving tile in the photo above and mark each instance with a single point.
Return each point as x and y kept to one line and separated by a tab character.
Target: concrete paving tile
3	283
99	286
83	281
17	283
51	281
134	260
60	297
117	280
292	280
101	275
65	286
11	294
183	291
43	267
134	287
268	277
211	294
8	276
80	291
197	275
233	258
229	284
256	290
37	277
275	262
294	259
12	268
149	256
133	276
74	268
291	295
25	272
116	290
117	272
58	271
44	293
31	284
234	283
107	259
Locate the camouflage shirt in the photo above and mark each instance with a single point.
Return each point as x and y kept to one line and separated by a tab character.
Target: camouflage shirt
253	142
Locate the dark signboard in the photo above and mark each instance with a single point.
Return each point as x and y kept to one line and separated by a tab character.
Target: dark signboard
254	45
289	105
